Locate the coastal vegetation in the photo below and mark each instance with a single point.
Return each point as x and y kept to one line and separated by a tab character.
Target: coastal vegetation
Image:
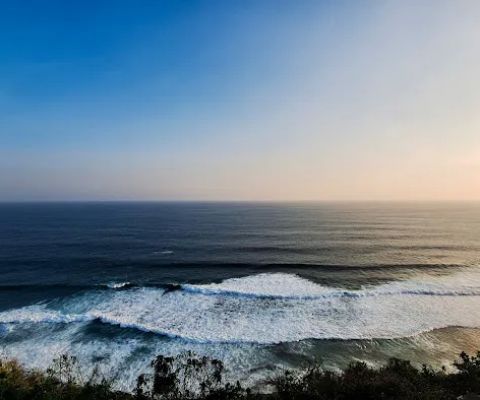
188	377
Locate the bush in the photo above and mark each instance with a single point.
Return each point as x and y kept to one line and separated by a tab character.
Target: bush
398	380
62	381
188	377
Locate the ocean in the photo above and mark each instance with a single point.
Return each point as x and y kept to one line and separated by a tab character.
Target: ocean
261	286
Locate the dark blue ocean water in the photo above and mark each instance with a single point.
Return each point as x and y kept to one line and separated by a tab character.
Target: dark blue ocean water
259	285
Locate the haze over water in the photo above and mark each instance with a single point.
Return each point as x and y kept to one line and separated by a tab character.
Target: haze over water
261	286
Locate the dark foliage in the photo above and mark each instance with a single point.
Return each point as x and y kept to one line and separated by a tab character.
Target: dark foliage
61	382
398	380
187	377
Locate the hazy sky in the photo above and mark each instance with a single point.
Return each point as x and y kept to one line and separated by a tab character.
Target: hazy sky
240	100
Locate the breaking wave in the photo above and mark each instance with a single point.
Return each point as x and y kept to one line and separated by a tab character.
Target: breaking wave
119	285
270	308
289	286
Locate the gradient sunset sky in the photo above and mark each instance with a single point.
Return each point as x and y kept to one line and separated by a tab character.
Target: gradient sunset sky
240	100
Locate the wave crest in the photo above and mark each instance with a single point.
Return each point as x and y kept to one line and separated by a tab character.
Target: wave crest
293	287
271	308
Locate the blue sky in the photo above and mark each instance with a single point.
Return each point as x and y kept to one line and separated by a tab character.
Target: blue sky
239	100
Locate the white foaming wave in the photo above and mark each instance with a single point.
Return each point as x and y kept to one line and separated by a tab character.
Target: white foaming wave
39	314
124	359
291	309
290	286
267	285
117	285
111	357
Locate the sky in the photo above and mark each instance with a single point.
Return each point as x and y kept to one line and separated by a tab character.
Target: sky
240	100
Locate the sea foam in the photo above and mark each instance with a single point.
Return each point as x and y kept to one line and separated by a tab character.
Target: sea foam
290	286
272	308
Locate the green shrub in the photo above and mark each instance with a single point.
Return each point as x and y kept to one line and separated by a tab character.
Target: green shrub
188	377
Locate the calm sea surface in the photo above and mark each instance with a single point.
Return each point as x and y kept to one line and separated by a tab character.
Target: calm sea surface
260	286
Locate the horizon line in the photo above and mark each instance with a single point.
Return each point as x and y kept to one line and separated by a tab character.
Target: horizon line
240	201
